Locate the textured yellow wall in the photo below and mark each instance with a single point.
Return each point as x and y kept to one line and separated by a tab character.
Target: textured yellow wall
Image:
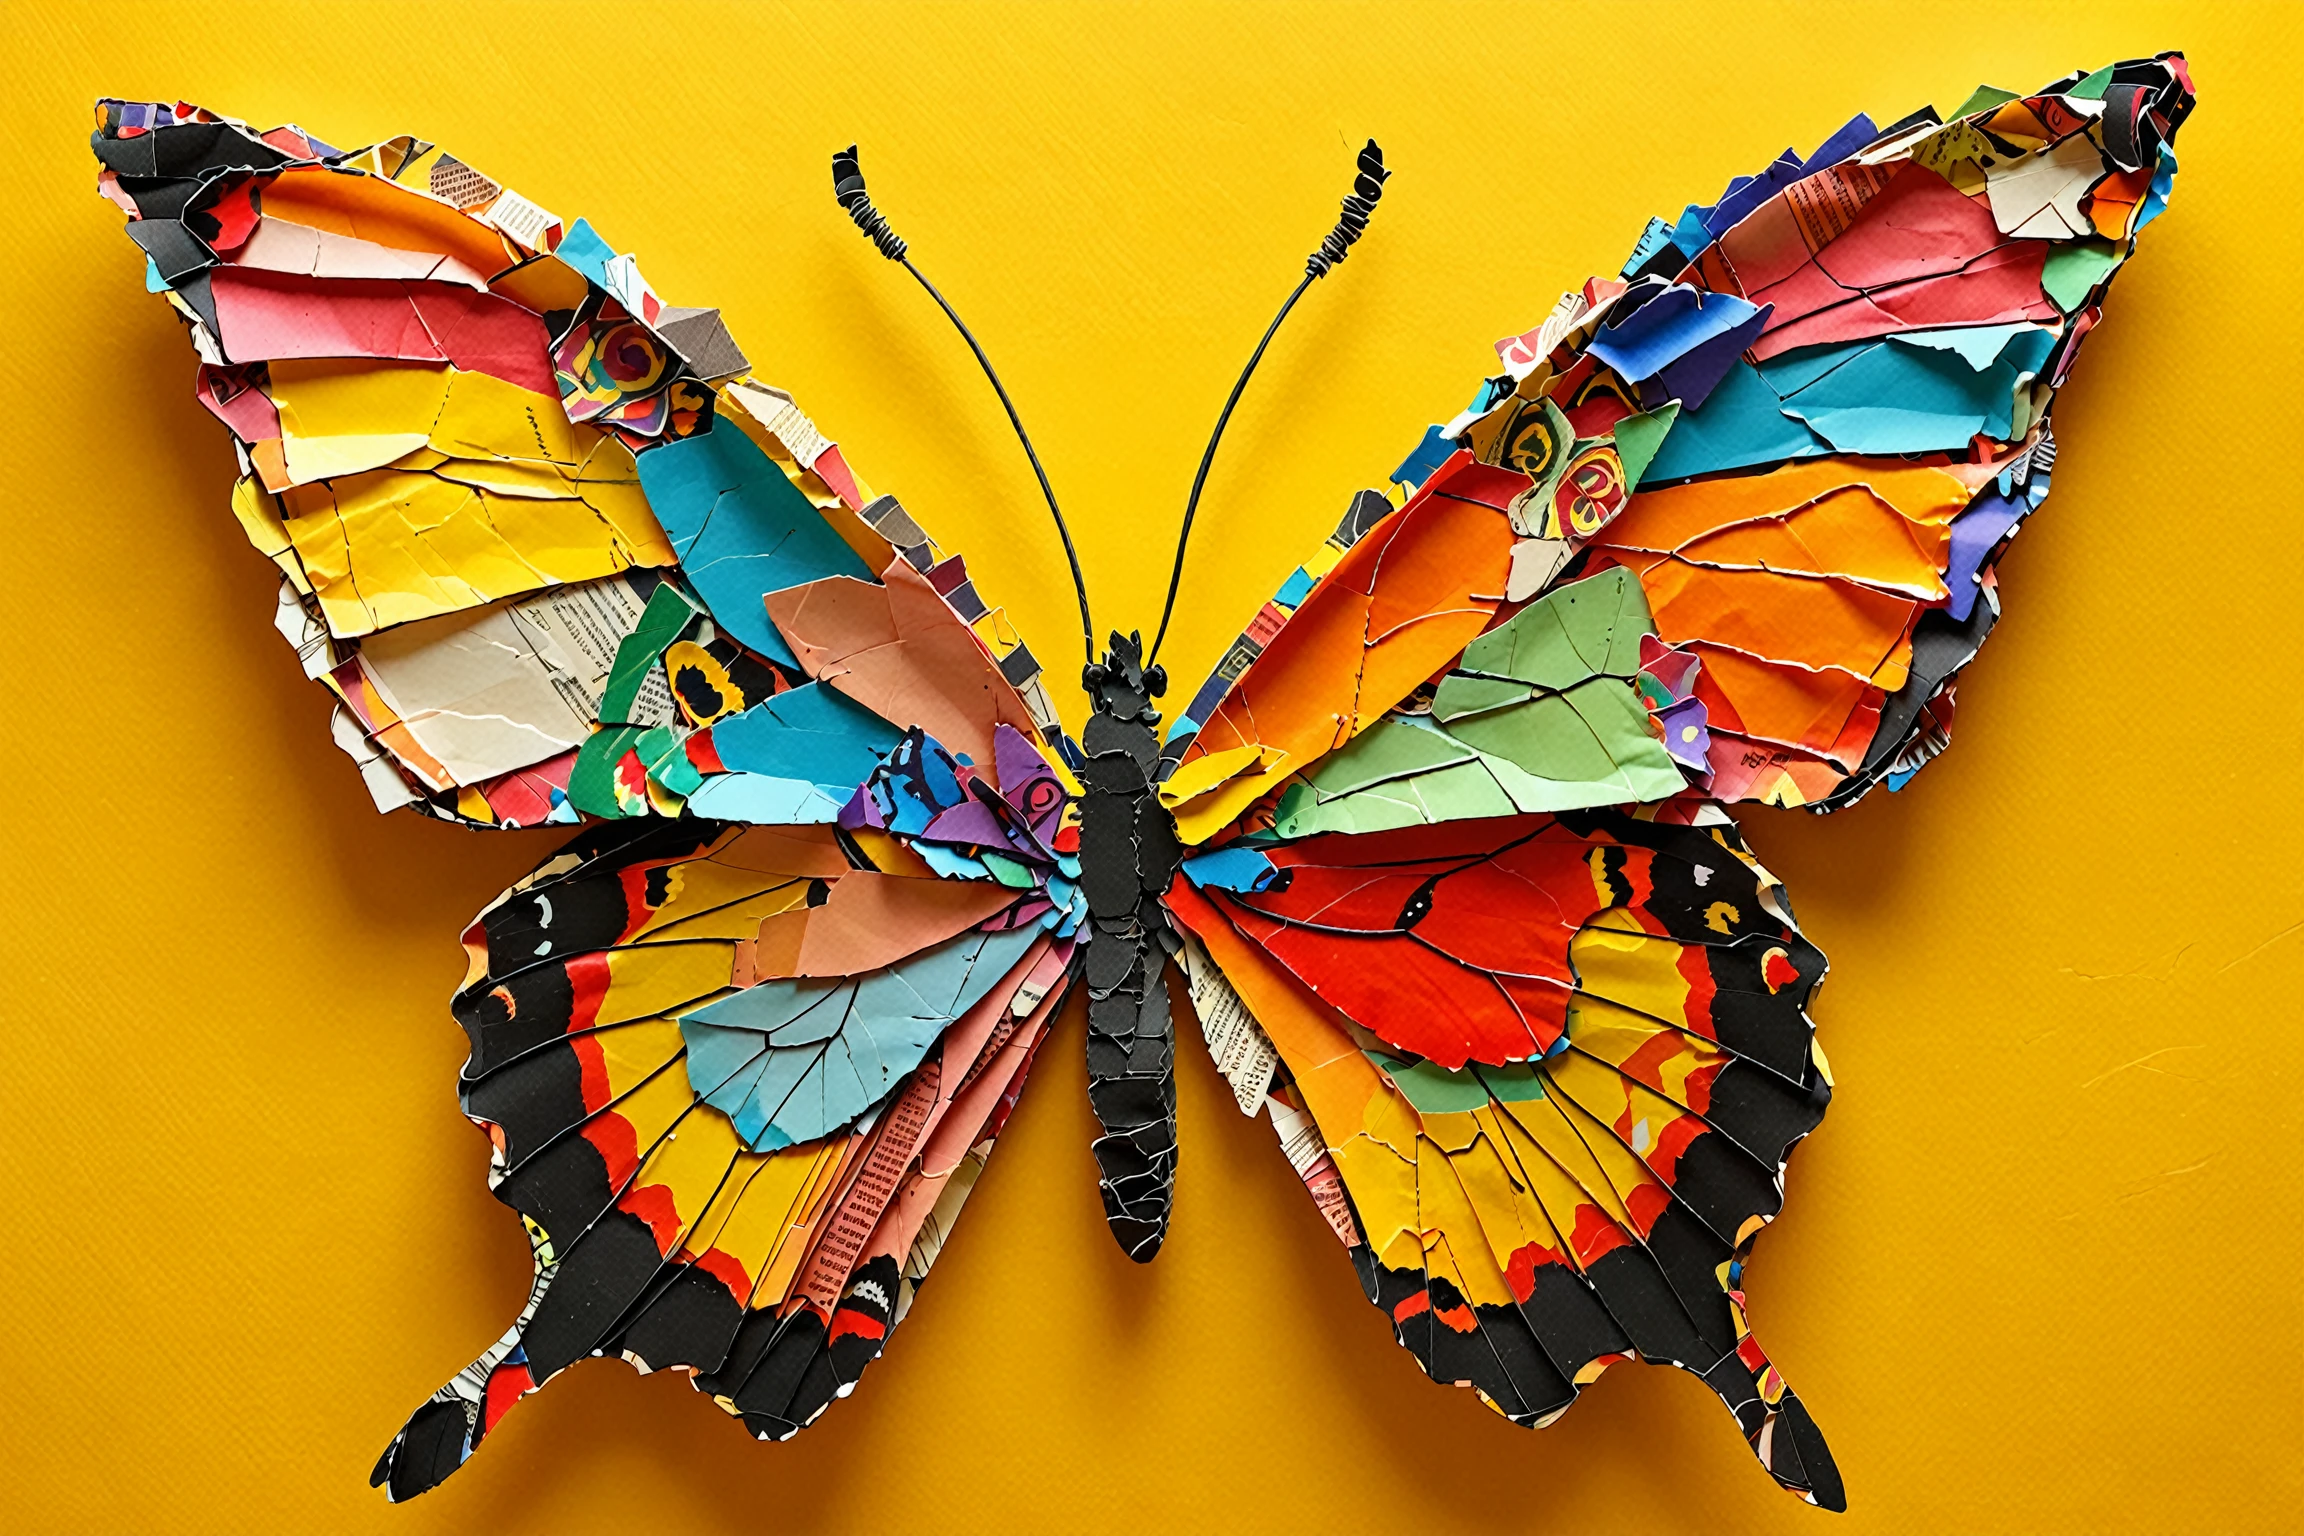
2039	1269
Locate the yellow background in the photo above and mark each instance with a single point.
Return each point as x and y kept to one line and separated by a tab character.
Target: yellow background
2039	1269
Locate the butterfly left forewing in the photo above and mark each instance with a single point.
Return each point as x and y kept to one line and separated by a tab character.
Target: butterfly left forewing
525	511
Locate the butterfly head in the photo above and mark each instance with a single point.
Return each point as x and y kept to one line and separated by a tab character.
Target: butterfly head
1121	686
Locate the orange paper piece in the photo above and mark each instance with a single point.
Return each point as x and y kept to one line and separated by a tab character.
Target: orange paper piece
1397	608
870	920
899	650
1798	587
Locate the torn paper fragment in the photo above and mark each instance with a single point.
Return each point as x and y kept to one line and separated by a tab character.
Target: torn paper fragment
900	650
1242	1052
505	686
2039	196
741	530
790	1060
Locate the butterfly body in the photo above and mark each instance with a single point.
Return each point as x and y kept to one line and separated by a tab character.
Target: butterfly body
1128	860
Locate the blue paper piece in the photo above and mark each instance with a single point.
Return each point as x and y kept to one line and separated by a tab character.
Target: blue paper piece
1851	136
762	800
1668	326
1681	342
583	249
1428	456
1914	392
1985	522
1691	378
801	1057
808	735
2156	195
1648	247
1742	424
741	530
1746	193
1230	869
1689	234
1980	346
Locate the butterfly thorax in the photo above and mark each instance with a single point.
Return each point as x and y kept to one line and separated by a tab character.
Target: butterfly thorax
1128	856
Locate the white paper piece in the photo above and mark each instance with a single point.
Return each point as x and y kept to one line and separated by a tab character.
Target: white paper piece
1243	1052
785	421
279	246
1307	1152
1534	563
386	785
296	625
527	224
2038	198
505	686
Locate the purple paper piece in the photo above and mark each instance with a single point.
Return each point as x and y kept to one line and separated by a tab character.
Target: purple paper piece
1974	532
1691	377
861	810
972	822
1746	193
1687	736
1027	782
1030	910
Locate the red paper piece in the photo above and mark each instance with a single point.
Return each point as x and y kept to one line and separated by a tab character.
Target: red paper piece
1920	254
1450	942
262	315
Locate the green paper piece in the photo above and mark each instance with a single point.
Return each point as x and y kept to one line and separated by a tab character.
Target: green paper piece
1543	714
2073	270
592	782
661	622
1460	695
674	771
1008	872
2092	88
1638	438
1983	99
1434	1090
1512	1085
1586	739
1584	629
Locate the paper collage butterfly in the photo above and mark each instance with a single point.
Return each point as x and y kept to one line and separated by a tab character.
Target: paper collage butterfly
1443	849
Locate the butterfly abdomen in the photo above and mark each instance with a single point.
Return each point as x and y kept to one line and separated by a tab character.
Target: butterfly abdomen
1128	856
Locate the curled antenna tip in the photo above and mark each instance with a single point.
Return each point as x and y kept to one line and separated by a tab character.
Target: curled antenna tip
1352	223
848	189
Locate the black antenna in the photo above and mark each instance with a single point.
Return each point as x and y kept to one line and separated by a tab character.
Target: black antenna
848	187
1367	187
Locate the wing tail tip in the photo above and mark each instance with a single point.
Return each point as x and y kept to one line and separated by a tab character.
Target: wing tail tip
436	1440
1818	1479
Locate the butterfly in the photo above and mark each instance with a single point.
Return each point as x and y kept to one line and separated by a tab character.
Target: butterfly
1442	849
